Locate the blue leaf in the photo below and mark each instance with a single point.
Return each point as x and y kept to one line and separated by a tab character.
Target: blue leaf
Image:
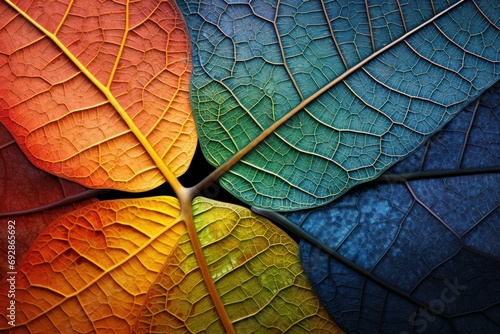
416	251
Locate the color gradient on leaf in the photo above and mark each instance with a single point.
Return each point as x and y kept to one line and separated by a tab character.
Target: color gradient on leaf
96	91
417	255
329	94
90	270
257	273
98	100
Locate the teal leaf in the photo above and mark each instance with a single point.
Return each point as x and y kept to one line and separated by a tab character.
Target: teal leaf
416	251
342	90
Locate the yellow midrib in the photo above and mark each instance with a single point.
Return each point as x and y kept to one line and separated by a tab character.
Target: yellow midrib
167	173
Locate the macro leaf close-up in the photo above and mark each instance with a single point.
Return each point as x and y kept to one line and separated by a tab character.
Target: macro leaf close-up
430	243
351	149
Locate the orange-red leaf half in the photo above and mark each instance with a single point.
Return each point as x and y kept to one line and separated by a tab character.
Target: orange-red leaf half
92	90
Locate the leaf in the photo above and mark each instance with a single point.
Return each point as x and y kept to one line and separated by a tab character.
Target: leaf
24	187
91	270
330	94
32	197
417	255
73	114
256	270
95	92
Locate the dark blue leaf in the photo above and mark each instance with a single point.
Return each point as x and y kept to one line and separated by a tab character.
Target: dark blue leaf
416	251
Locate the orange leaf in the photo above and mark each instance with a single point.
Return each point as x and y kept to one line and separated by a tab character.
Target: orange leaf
91	269
96	91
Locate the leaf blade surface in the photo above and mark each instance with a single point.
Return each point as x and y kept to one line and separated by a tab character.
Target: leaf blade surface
97	103
255	269
416	255
91	269
260	63
105	267
31	197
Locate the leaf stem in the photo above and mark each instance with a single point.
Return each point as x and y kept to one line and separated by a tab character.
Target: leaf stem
187	215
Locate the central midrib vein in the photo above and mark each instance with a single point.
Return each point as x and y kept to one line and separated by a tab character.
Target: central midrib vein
171	178
216	174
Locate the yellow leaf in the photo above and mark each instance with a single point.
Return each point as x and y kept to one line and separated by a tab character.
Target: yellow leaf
256	271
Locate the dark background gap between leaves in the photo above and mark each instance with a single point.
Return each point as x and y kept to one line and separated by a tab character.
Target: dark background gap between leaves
197	171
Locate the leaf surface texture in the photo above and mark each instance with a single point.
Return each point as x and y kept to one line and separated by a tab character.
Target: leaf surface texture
417	255
296	102
90	270
96	269
31	197
76	70
256	269
364	84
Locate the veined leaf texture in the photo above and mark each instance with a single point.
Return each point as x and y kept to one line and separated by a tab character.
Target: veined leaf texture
417	255
363	82
97	91
295	102
96	270
32	196
90	270
255	268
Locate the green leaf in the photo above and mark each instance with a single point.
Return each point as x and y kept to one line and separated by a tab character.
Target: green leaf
339	90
